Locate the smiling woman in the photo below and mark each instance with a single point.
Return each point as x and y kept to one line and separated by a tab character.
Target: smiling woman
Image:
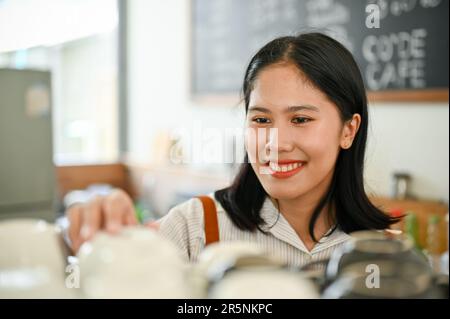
300	189
310	89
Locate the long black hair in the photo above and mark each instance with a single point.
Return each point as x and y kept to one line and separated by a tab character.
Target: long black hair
331	68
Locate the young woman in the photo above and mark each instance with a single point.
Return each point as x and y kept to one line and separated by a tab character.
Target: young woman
300	192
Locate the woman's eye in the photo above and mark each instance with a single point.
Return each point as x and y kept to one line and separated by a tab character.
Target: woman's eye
261	120
301	120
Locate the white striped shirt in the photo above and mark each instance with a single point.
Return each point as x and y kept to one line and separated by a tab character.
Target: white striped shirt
184	226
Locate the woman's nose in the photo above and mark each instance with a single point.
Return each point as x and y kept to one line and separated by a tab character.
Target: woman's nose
280	141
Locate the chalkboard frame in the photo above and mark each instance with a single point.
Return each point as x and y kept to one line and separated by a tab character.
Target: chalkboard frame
428	95
432	95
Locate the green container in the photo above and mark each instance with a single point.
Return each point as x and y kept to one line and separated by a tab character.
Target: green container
433	235
412	228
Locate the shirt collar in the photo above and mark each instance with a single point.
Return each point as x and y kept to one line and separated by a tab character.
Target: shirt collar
278	226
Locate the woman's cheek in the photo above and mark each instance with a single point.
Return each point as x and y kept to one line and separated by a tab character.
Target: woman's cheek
250	144
254	145
320	140
322	156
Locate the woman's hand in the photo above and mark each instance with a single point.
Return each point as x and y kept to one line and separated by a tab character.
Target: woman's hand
109	213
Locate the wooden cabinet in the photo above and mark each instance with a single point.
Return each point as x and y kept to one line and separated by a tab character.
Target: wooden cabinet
423	210
81	176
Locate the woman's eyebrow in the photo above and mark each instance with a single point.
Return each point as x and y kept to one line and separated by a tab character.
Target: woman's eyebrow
258	109
296	108
290	109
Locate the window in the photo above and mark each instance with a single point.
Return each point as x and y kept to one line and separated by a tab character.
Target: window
77	41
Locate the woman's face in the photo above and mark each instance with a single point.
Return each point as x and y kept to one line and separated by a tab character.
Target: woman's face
301	157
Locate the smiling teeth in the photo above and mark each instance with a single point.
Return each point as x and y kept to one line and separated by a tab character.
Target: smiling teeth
284	168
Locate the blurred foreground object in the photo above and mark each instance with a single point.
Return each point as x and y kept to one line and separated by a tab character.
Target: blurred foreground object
136	263
139	263
243	270
381	265
32	260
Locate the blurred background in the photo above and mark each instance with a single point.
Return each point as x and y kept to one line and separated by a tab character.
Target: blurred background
96	94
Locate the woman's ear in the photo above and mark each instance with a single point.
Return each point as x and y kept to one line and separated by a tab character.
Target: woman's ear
349	131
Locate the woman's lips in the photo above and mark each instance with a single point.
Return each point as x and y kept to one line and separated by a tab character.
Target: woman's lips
285	168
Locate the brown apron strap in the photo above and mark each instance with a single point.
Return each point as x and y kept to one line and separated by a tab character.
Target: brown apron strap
210	217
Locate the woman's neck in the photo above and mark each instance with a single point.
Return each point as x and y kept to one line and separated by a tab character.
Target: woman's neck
298	213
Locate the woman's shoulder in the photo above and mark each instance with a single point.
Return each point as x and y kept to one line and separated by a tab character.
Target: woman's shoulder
189	212
184	225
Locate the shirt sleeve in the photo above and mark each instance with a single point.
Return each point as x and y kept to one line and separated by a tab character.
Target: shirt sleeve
183	225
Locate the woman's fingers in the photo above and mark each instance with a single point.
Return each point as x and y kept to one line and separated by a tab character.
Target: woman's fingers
119	210
74	214
92	218
153	225
130	218
109	213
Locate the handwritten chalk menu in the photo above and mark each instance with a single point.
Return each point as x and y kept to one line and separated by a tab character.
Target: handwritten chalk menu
399	44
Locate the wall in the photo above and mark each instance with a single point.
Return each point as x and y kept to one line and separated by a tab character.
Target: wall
412	138
86	100
402	137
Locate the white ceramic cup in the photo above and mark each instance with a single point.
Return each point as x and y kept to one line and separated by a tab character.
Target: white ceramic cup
239	269
31	243
32	260
136	263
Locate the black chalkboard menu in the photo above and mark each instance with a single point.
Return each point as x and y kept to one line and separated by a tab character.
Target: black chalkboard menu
401	46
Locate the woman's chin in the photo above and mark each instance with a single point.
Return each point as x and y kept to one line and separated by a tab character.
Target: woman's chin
282	192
